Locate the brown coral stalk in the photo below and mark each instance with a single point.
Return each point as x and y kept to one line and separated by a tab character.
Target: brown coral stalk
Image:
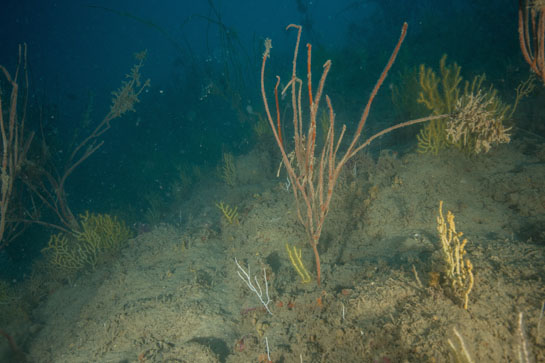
313	192
532	42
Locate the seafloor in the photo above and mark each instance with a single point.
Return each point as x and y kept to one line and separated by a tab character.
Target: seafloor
173	294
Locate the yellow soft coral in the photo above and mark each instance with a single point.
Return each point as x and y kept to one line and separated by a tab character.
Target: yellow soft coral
103	231
439	95
230	214
228	170
475	116
458	268
296	261
98	233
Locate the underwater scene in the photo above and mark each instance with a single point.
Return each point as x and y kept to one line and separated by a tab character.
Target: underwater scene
272	181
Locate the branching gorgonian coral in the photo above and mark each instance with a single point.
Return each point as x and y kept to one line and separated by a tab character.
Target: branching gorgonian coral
477	122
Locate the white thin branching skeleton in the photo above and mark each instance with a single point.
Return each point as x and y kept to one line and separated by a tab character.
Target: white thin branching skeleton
246	277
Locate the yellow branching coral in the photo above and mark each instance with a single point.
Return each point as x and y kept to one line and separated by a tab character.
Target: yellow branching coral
230	214
228	171
103	231
458	268
476	115
295	258
99	233
68	255
432	138
439	95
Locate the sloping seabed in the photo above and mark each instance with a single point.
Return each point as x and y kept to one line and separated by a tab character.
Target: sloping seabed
174	295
